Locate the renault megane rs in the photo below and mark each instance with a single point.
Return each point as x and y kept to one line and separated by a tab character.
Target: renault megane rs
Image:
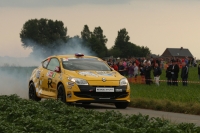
78	78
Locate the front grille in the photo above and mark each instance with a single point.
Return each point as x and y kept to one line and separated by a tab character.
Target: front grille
86	88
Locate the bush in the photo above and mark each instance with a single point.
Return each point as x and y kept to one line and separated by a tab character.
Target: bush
21	115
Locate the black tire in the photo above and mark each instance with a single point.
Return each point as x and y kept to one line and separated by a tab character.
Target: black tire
61	93
32	93
121	105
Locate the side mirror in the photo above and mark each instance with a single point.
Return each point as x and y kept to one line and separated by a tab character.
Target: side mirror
57	69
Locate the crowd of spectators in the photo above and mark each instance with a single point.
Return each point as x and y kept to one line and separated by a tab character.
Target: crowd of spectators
132	67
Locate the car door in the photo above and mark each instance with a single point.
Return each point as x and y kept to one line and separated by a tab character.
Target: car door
50	78
40	77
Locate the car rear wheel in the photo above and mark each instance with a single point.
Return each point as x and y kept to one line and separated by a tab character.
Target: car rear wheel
32	93
121	105
61	93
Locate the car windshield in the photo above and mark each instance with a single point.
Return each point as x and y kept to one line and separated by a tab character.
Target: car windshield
85	64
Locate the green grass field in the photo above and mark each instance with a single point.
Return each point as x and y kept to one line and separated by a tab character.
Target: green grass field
156	97
176	94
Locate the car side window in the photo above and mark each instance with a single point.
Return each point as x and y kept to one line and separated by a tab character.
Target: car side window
45	63
53	64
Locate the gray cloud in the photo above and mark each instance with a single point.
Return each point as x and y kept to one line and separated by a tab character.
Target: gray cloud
57	3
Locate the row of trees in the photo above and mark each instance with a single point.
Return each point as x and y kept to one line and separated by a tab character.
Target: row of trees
50	36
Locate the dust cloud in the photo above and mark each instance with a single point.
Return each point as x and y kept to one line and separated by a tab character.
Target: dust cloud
13	81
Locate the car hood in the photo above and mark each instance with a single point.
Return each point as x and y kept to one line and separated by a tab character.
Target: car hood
95	75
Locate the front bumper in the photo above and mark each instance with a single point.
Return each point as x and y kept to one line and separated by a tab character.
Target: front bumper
89	94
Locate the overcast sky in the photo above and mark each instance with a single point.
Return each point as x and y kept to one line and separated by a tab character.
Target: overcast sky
157	24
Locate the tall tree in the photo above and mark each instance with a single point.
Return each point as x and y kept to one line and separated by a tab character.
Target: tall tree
86	34
121	44
98	42
122	38
98	33
124	48
43	34
145	51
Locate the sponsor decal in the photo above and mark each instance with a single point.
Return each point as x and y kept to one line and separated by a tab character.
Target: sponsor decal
84	73
51	74
38	74
104	73
60	76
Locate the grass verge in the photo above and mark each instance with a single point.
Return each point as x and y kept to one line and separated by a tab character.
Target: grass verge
166	105
177	99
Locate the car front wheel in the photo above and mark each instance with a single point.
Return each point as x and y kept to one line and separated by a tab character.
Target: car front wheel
32	93
121	105
61	93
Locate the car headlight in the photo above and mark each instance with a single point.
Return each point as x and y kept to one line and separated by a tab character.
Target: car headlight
79	81
123	82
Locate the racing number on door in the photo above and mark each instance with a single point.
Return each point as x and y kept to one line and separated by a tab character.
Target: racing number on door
49	83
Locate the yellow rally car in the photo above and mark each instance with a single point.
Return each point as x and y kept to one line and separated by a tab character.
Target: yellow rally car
78	78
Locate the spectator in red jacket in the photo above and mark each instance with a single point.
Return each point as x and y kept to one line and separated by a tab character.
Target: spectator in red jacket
114	66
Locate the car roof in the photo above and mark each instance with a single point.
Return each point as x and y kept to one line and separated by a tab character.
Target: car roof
70	56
